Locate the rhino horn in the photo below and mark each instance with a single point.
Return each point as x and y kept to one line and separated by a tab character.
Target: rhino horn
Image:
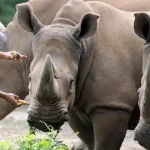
48	86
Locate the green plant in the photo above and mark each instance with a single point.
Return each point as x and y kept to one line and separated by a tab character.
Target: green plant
31	142
5	145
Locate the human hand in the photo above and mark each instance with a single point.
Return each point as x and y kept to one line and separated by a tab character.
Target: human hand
13	55
11	98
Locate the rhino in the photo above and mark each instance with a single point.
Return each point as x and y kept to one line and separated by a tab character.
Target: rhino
142	28
86	69
14	40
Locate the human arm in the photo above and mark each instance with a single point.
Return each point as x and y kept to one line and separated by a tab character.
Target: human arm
9	97
12	55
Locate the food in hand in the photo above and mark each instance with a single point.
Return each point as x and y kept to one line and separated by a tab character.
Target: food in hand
22	102
14	54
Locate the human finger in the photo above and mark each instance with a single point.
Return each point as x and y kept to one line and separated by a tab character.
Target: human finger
16	97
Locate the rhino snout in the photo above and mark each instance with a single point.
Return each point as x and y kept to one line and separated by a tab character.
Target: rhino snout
38	121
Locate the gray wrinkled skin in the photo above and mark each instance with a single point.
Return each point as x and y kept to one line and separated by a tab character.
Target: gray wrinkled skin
86	69
142	28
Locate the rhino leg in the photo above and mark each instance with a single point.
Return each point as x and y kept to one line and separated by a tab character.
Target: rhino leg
109	127
85	133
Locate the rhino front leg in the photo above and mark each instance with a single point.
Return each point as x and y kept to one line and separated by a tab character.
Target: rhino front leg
109	127
85	133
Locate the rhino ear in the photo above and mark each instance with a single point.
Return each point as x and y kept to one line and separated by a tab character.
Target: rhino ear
86	27
142	25
27	19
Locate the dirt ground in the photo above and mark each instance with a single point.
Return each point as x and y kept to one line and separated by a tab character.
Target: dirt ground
15	125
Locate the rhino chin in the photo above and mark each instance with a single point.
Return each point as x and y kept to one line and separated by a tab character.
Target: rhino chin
42	127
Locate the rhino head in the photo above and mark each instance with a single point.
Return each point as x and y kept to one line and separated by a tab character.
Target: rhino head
57	50
142	29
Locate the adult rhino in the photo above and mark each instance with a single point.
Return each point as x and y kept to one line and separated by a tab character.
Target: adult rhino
18	39
86	69
142	29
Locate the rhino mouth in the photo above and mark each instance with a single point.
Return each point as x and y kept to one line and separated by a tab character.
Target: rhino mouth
41	117
45	126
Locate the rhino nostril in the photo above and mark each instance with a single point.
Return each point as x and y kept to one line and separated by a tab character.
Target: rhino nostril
66	116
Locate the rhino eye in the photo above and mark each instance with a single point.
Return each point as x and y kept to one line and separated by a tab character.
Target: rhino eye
29	78
138	92
71	82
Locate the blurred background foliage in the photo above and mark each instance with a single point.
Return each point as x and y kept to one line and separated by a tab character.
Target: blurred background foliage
8	9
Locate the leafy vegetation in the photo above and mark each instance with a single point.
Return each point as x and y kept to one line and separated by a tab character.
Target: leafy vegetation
31	142
8	9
